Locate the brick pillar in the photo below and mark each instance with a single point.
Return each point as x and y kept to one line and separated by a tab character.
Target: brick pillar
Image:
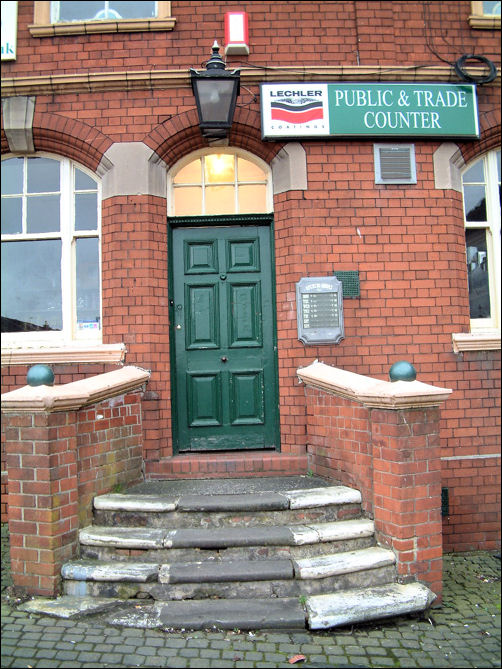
383	437
42	494
407	490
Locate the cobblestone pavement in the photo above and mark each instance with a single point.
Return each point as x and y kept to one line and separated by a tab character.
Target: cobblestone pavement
465	632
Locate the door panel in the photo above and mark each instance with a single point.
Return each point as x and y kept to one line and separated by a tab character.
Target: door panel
224	339
245	320
246	392
202	323
204	405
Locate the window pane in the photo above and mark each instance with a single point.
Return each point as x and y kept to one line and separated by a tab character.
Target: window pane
12	176
190	174
477	273
134	10
219	169
491	7
248	171
475	174
79	11
82	11
42	214
43	175
252	199
83	181
86	211
188	201
88	302
11	215
475	203
220	200
31	286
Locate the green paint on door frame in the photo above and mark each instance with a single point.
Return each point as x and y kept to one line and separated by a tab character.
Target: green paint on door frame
241	220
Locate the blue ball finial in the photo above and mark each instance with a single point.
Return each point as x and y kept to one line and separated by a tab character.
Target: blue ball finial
402	371
40	375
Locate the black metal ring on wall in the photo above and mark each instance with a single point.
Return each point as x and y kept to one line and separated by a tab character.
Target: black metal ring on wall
460	65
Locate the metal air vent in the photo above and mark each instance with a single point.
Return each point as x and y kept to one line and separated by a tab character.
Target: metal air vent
395	164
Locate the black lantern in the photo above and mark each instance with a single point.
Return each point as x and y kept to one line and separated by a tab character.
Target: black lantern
216	90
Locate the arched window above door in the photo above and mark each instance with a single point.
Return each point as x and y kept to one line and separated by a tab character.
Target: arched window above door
223	183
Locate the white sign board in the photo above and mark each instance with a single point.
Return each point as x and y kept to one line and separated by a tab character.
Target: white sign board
9	30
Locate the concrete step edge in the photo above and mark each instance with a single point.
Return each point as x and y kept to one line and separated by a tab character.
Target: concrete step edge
215	571
110	571
343	563
356	606
243	614
320	611
258	501
69	606
155	538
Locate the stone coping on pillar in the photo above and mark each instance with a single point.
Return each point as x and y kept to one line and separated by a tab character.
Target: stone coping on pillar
370	392
75	395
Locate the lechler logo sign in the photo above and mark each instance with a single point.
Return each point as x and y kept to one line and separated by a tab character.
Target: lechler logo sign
292	110
370	110
297	107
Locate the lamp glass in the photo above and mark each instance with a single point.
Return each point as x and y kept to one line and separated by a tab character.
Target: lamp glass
215	99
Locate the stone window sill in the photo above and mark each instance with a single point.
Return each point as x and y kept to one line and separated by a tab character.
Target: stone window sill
105	353
94	27
476	341
484	22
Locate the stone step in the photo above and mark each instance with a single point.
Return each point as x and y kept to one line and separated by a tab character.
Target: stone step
257	501
230	589
242	614
228	570
360	605
320	611
230	578
343	563
100	570
246	509
221	538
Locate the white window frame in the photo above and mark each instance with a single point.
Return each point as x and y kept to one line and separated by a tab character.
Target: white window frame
490	327
69	335
479	20
44	26
237	153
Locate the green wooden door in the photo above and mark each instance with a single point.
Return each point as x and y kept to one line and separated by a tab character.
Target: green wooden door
223	328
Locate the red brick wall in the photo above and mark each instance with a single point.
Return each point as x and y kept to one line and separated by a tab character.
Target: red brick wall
109	443
43	504
14	376
339	442
470	436
57	463
393	458
368	32
135	303
407	242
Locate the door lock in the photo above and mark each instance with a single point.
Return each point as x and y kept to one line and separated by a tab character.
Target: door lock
224	358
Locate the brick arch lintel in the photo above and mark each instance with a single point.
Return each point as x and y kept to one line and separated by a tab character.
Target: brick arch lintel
180	135
490	128
70	138
450	158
